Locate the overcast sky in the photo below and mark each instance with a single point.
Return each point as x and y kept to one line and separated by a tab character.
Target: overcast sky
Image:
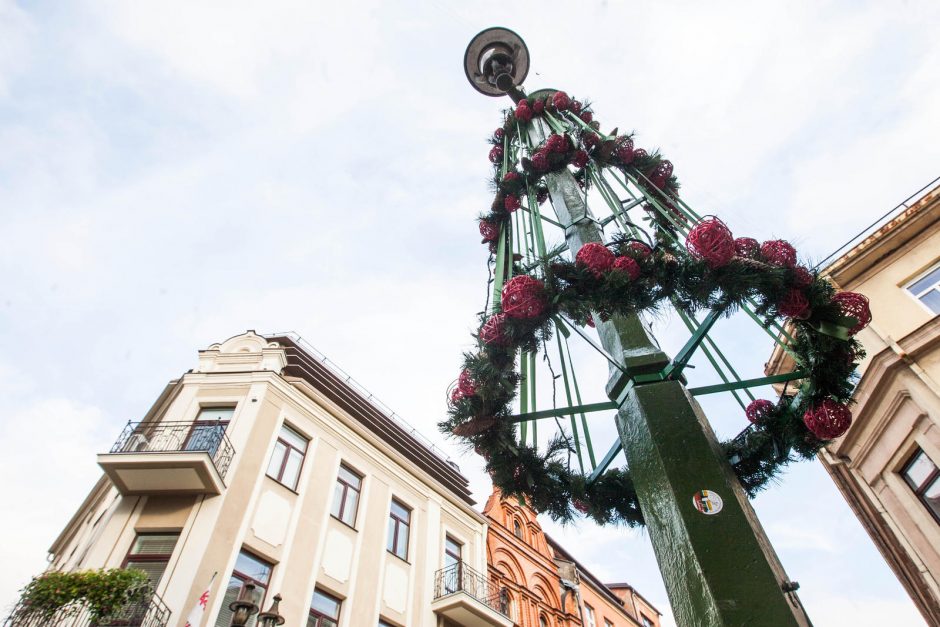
175	172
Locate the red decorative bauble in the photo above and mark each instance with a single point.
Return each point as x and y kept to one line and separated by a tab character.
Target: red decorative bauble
596	257
511	177
640	153
624	150
659	175
711	241
523	112
556	143
827	420
575	106
747	247
794	305
628	265
466	384
496	154
587	117
538	107
541	196
759	410
499	133
561	100
489	231
455	396
638	250
802	276
580	159
493	330
580	505
779	253
855	305
540	161
512	202
524	297
590	140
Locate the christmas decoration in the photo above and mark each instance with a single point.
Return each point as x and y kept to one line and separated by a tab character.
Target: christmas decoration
560	100
580	159
759	410
512	203
660	174
523	112
629	266
855	305
523	297
746	247
597	258
489	231
466	384
493	332
496	154
827	420
794	305
802	276
711	241
638	250
779	253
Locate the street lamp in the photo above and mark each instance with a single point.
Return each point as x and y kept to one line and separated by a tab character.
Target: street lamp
243	608
272	617
496	62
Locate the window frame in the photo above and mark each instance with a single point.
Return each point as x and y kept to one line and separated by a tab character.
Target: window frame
590	615
205	422
286	457
344	498
933	267
919	491
246	579
393	549
317	616
151	557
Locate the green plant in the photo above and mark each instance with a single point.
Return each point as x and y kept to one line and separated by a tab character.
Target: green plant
103	592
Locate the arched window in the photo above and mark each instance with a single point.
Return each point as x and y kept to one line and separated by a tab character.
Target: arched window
543	622
517	528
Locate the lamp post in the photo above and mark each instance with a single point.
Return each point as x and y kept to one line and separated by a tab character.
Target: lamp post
272	617
243	608
719	570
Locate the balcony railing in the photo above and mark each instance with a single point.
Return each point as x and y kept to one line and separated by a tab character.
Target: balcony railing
150	612
178	437
461	578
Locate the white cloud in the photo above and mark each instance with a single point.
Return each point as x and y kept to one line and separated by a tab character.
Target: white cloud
16	30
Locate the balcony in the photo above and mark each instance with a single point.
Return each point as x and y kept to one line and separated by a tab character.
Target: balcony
151	612
467	598
165	458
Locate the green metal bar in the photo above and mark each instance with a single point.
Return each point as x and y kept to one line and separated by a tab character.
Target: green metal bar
773	336
524	395
685	353
532	399
561	412
606	462
747	383
691	325
574	422
577	394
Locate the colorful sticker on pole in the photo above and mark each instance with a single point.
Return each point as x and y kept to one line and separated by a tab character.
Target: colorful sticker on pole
707	502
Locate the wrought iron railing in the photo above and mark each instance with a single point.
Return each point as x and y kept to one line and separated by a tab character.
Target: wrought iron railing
150	612
175	437
461	578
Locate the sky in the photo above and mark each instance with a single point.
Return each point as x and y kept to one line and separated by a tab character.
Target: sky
173	173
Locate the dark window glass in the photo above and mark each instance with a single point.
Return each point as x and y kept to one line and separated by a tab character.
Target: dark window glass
399	522
151	553
346	496
288	457
452	565
324	610
922	475
517	529
248	569
208	429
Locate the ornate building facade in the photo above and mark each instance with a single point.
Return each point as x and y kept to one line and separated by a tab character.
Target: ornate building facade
886	465
542	585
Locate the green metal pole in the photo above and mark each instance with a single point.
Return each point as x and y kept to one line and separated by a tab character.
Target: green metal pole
717	564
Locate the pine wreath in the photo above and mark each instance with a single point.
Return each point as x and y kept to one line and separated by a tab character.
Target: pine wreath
713	271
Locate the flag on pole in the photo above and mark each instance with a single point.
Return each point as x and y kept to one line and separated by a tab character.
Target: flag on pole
195	616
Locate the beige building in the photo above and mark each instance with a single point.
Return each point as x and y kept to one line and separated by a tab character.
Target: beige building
886	465
266	465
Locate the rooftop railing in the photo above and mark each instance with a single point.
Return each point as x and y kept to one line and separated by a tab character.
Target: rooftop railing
178	437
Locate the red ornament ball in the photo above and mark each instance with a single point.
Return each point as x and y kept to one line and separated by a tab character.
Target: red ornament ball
541	196
538	107
511	177
659	175
561	100
624	150
596	257
628	265
587	117
556	143
575	106
794	305
711	241
855	305
489	231
589	140
580	505
638	250
580	159
747	247
523	112
456	396
494	330
512	202
499	133
540	161
496	154
759	410
640	153
524	297
466	384
779	253
827	420
802	276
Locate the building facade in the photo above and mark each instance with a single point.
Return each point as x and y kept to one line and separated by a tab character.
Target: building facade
886	465
265	465
542	585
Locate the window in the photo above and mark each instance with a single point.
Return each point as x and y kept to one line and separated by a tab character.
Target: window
924	478
208	429
346	496
607	623
589	616
324	610
452	570
288	457
151	553
646	620
926	289
517	529
382	623
543	622
399	520
248	569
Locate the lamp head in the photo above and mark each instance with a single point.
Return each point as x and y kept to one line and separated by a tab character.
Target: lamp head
496	61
